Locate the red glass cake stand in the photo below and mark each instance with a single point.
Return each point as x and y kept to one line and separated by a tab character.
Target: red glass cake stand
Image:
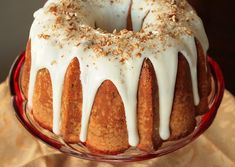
80	151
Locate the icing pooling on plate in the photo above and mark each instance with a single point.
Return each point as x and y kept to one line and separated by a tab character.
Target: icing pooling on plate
65	29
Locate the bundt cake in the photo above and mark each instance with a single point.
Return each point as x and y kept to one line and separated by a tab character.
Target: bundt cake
115	74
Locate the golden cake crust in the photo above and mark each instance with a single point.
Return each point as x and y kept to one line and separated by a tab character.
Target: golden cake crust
107	132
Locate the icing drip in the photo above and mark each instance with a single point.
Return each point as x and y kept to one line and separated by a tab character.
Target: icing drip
57	38
166	73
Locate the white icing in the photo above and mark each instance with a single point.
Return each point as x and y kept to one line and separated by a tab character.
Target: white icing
56	53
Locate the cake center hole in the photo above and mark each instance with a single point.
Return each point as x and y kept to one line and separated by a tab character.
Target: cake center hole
110	24
113	19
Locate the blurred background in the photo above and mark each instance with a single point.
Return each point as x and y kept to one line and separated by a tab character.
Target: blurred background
218	16
16	18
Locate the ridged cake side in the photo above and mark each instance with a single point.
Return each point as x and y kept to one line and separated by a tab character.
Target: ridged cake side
107	131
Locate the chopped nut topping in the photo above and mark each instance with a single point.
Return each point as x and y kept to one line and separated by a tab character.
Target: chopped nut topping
70	27
44	36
